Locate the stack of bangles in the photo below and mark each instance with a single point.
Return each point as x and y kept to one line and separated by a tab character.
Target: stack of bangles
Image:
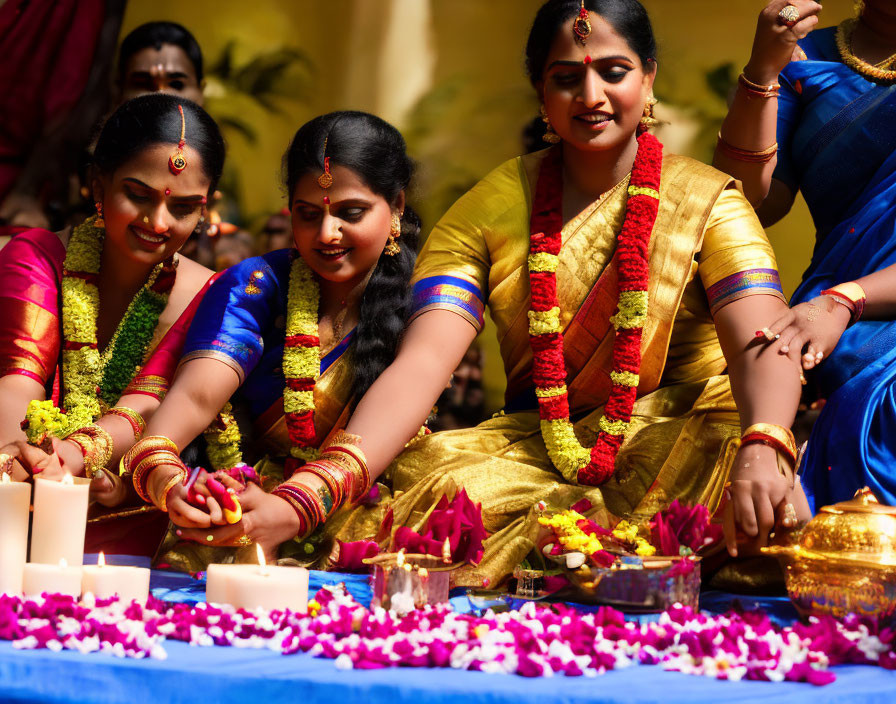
755	157
96	446
757	90
850	295
342	470
134	419
777	437
144	457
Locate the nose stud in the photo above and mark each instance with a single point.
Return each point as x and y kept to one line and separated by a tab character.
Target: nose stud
146	219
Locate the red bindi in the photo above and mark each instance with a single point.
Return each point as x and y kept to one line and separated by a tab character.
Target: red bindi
167	191
587	59
326	200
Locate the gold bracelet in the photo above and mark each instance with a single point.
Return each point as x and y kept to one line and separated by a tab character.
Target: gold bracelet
148	444
178	478
97	446
758	90
138	425
779	439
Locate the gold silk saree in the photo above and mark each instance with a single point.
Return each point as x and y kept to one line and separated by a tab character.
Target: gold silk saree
707	250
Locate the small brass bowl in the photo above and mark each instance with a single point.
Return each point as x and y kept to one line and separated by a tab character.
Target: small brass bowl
844	560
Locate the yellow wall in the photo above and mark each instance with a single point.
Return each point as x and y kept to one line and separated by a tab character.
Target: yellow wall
464	58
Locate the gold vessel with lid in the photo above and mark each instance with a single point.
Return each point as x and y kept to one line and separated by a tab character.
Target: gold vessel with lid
844	560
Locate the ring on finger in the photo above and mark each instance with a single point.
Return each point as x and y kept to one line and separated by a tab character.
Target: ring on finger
788	16
789	514
243	541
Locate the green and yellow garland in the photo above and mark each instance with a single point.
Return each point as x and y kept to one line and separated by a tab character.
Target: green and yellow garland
92	381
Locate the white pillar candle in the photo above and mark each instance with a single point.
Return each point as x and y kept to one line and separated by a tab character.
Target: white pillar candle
15	499
60	520
104	581
252	586
52	579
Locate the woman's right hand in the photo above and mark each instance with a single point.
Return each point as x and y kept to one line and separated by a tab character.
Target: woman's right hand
182	512
774	44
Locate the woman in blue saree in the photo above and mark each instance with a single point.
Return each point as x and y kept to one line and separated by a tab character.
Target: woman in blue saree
833	121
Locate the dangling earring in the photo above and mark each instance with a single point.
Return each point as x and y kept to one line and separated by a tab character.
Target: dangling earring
392	247
549	136
99	222
647	119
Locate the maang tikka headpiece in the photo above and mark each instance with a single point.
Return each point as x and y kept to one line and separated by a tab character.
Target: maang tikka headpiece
177	162
325	180
582	25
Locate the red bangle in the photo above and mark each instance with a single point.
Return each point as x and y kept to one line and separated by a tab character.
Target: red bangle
772	442
856	308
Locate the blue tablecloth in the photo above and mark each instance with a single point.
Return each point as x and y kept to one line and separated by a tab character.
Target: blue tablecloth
223	675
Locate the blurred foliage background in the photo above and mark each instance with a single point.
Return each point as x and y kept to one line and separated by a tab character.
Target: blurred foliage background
449	74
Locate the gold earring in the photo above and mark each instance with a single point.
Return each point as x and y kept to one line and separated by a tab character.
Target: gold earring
99	222
549	136
392	247
647	119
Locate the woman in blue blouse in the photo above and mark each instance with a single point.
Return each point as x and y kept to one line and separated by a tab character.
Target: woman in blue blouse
828	99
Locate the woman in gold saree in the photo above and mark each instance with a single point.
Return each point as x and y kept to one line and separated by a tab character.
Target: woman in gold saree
710	278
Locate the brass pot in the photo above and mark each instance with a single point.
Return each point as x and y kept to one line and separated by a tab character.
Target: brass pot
844	560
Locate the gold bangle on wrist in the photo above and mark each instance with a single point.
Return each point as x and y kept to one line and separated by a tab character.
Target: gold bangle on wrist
162	501
779	439
96	446
758	90
138	425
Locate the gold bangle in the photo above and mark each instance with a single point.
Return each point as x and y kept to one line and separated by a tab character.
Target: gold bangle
178	478
778	432
104	446
779	439
138	425
147	445
757	89
759	156
96	446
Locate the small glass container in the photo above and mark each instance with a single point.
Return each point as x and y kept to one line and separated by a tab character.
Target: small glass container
406	581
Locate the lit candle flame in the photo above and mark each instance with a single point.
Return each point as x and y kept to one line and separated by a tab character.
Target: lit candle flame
399	559
67	479
101	560
446	550
62	562
4	478
261	561
407	567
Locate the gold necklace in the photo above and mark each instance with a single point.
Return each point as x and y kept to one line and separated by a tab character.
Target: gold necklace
844	45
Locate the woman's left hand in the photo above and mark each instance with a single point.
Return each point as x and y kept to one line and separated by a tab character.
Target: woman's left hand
267	520
816	325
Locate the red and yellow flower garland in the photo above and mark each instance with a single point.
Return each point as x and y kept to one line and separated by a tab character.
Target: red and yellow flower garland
301	360
577	463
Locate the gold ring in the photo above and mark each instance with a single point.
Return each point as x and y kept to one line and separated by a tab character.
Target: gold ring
788	16
243	541
209	538
790	514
